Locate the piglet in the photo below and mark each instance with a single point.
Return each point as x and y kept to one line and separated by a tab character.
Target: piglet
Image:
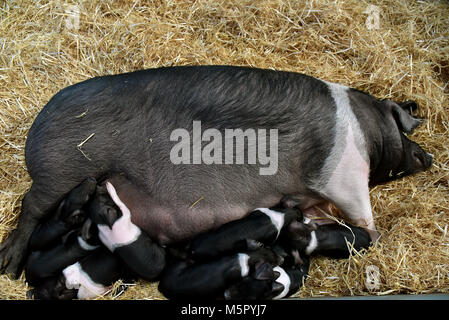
257	285
330	240
120	235
272	282
48	263
88	278
289	279
69	215
263	225
208	280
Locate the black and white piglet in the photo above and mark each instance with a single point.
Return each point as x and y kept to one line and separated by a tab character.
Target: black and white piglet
263	225
78	268
90	277
216	255
271	282
45	264
209	279
120	235
330	240
69	215
60	241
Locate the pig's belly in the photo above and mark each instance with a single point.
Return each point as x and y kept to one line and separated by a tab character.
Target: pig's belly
168	225
171	221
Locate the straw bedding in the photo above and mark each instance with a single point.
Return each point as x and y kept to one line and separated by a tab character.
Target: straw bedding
43	49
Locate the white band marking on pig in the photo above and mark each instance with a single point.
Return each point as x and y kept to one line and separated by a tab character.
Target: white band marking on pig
283	279
345	119
77	278
313	244
123	231
83	244
344	178
277	218
243	262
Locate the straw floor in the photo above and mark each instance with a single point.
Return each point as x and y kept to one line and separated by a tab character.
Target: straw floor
404	54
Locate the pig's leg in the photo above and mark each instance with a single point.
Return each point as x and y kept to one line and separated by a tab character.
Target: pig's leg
347	187
345	174
408	106
13	250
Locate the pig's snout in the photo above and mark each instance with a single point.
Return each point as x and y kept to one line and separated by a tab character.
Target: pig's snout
429	160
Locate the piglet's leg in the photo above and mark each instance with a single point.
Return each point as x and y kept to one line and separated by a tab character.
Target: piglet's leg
142	256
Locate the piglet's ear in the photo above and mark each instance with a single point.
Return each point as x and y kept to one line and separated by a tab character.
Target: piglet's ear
404	120
88	230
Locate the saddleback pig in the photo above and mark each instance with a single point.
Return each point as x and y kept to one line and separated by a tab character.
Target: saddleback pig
331	144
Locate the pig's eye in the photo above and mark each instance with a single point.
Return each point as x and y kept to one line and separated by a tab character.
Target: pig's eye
417	158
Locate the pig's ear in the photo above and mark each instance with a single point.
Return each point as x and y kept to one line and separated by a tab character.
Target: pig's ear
409	106
88	230
404	120
277	274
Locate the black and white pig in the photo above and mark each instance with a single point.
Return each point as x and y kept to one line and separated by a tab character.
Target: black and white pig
334	240
209	279
263	225
120	235
90	277
43	264
333	143
267	282
66	237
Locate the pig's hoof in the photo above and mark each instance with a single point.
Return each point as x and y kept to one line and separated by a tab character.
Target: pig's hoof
374	235
11	255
